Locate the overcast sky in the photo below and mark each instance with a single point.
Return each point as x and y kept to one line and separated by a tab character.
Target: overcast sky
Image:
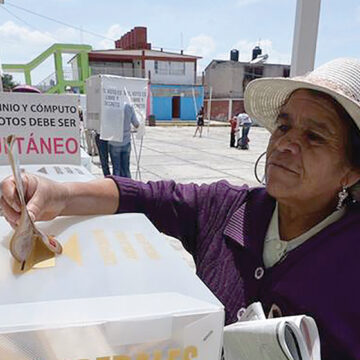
205	28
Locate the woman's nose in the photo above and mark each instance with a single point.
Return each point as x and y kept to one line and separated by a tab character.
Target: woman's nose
289	142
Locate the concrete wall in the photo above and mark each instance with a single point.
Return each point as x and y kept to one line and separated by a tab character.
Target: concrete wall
275	70
162	108
185	79
227	77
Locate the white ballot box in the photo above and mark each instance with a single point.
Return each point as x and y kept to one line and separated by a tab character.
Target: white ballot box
118	292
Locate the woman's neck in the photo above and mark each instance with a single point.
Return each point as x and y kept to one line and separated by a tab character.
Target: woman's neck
296	220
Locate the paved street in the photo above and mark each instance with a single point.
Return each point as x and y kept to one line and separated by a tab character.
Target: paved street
171	152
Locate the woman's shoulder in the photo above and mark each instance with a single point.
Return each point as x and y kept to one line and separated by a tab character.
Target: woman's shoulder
225	185
223	189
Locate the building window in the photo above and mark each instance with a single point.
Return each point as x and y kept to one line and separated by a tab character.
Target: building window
251	73
286	72
254	71
177	68
169	67
162	67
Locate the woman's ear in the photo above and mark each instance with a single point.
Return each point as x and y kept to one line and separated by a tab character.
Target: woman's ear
351	177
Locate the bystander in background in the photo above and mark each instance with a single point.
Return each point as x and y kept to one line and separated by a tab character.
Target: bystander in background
233	126
200	122
244	120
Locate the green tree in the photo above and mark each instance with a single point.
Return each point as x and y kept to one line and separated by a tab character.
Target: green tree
8	82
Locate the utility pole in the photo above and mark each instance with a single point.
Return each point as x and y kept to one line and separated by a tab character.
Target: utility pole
305	36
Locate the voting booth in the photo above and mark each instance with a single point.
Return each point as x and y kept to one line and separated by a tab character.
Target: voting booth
107	96
118	292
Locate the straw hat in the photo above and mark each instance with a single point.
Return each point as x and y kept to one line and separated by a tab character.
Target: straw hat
340	78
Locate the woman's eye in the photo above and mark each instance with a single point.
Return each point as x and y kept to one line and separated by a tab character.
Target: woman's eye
315	137
283	127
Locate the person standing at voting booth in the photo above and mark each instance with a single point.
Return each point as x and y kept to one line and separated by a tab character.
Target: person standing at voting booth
120	151
103	149
293	245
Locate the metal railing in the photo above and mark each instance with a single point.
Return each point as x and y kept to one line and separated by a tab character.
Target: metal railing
47	83
51	80
109	70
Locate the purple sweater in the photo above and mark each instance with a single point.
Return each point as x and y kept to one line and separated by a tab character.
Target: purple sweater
224	226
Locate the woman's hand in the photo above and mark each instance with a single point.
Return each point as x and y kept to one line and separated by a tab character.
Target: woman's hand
45	199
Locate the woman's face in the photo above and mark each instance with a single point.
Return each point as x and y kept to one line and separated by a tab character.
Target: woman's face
306	153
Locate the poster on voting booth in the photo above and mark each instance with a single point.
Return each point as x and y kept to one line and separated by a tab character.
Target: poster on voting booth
46	128
107	96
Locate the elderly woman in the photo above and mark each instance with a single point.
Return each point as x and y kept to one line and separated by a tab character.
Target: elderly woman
295	245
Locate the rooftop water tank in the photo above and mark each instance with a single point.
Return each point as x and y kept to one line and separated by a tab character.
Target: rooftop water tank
234	55
256	51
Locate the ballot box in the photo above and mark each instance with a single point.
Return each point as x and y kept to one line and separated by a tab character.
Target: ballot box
118	292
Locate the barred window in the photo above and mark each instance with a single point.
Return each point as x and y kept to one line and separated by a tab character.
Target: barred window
177	68
162	67
169	67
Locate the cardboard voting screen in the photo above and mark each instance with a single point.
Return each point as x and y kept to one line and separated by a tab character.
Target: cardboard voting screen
118	289
46	127
106	98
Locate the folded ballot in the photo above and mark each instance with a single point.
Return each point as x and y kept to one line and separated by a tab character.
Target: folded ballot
283	338
28	245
